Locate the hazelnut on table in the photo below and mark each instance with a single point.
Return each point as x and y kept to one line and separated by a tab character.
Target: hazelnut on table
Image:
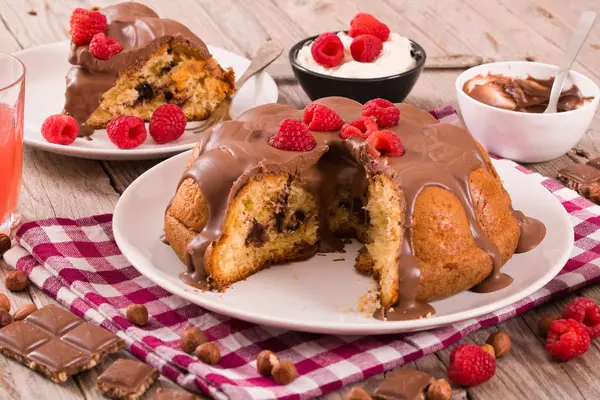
5	318
5	244
358	393
208	353
137	314
191	338
265	362
500	341
16	281
284	372
4	302
544	324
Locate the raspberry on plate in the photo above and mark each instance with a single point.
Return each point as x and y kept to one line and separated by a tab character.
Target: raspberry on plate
293	135
360	128
328	50
366	48
85	24
567	339
321	118
60	129
385	112
104	47
366	24
470	365
385	143
167	123
127	131
587	312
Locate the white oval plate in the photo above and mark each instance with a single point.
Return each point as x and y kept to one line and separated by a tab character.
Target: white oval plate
318	295
45	94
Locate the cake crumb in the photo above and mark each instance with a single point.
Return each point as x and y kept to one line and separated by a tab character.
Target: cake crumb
339	259
295	276
368	301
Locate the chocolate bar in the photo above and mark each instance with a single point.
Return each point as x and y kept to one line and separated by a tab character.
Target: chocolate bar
57	343
583	178
126	379
404	384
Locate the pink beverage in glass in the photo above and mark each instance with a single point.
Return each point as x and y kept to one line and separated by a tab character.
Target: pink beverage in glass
12	94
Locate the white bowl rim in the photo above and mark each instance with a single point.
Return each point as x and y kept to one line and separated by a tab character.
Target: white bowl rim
579	75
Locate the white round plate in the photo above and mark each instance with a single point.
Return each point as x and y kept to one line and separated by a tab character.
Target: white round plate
45	95
318	295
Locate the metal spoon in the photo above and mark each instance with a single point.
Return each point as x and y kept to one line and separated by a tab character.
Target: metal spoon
268	53
586	21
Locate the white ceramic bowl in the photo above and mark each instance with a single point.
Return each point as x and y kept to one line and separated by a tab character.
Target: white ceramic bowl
522	136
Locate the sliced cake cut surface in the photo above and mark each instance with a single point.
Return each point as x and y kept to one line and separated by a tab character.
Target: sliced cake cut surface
162	62
432	213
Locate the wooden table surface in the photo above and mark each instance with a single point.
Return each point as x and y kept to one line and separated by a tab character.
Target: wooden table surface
503	30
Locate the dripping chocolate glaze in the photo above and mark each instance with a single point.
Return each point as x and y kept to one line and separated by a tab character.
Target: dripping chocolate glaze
436	154
141	32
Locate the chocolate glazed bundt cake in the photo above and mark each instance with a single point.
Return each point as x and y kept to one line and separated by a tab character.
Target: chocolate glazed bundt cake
422	196
161	62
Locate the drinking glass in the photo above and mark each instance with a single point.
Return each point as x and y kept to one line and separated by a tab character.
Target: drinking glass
12	94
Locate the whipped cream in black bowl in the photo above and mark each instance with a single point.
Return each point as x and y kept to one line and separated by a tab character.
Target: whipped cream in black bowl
400	62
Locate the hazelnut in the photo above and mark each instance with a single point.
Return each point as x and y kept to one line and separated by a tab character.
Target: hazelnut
208	353
23	311
191	338
488	348
5	318
358	393
439	390
265	362
4	302
500	341
16	281
4	244
284	372
544	324
137	314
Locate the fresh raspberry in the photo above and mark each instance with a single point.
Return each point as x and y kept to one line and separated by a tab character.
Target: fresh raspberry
293	135
328	50
85	24
60	129
567	339
366	24
385	112
366	48
360	128
126	131
321	118
104	47
167	123
470	365
385	143
585	311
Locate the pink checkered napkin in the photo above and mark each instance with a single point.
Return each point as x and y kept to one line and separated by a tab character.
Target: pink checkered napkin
78	263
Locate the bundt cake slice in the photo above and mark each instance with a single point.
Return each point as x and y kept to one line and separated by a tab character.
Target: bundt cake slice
161	62
177	72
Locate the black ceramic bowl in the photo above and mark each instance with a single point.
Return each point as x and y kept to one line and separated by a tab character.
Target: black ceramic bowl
394	88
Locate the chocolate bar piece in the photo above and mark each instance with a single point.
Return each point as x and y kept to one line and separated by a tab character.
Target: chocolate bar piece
126	379
404	384
583	178
57	343
166	394
594	163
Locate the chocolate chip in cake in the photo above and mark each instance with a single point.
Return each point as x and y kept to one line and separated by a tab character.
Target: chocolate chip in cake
256	236
168	96
279	217
145	91
299	217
